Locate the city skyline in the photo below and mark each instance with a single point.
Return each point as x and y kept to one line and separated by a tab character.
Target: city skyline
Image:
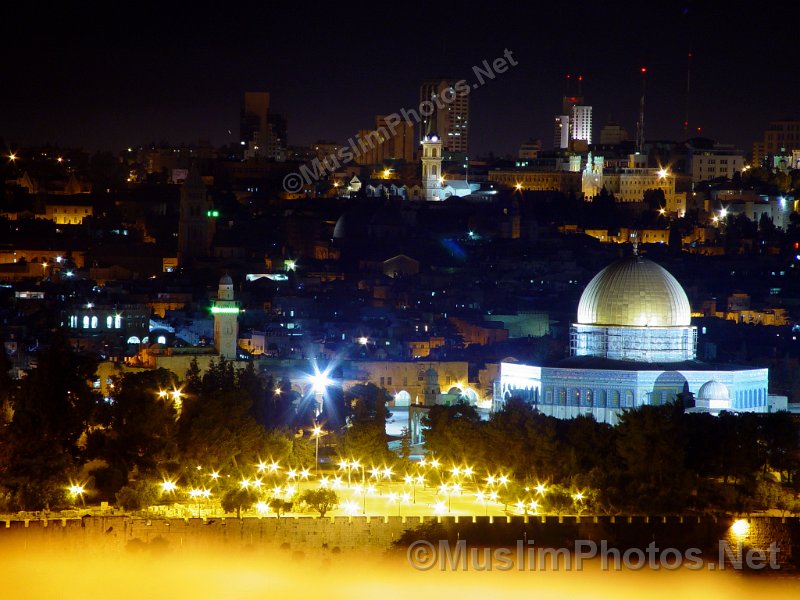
180	77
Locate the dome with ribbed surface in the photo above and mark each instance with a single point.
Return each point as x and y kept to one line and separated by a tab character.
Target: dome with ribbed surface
634	292
713	390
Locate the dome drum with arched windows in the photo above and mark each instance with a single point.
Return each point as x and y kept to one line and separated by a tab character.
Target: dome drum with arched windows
634	310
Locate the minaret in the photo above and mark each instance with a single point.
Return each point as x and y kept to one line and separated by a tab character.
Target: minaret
194	226
432	160
226	325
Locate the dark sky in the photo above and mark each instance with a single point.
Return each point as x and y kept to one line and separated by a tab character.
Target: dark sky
128	74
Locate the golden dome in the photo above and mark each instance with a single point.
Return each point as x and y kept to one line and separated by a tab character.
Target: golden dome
634	292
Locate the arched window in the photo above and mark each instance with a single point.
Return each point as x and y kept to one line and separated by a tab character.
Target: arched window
588	398
601	398
628	399
86	322
109	321
615	399
562	397
94	322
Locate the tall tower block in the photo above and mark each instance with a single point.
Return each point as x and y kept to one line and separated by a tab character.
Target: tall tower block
194	226
226	320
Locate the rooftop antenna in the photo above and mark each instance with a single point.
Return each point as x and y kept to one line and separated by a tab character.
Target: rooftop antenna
640	122
580	82
688	89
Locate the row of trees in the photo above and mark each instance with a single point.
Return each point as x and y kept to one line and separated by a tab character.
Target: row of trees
59	429
657	459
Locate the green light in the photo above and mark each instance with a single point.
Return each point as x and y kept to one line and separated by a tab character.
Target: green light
212	213
224	310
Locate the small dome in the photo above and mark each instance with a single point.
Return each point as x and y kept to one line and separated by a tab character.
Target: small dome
226	280
713	390
634	292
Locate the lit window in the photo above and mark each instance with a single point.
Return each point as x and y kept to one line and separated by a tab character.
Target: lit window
117	322
86	322
109	322
94	322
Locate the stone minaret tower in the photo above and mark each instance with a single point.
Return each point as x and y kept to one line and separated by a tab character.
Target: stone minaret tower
226	325
194	226
432	161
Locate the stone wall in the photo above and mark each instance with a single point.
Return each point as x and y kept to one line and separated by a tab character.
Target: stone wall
100	535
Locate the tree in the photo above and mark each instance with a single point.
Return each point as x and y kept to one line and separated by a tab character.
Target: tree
651	442
217	427
238	499
321	500
455	433
40	449
137	495
279	505
138	430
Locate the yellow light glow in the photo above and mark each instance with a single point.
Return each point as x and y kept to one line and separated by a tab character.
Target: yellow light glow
76	490
214	475
518	186
262	508
245	483
740	528
541	489
291	474
662	173
439	508
168	486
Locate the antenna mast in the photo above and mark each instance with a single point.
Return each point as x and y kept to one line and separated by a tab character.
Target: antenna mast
640	123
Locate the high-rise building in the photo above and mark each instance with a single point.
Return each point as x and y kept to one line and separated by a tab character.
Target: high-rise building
613	134
574	123
387	144
780	138
195	227
254	124
276	137
452	116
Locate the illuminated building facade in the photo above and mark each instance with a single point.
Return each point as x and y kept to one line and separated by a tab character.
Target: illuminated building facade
451	121
633	345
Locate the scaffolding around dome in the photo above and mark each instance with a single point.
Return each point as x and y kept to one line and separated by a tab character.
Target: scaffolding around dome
647	344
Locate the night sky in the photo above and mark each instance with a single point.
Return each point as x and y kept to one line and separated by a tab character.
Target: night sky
129	75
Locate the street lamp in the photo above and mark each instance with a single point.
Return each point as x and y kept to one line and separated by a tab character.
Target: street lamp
317	432
76	491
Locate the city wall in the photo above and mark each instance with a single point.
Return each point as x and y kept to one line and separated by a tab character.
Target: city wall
310	535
